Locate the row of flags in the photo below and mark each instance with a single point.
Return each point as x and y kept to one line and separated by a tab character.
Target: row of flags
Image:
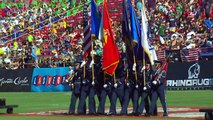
134	35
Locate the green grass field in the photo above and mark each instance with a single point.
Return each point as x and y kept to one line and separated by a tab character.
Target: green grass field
35	102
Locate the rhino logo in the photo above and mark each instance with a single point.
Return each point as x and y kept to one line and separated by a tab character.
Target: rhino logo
194	71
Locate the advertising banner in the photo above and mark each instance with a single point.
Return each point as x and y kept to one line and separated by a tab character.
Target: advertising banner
49	80
15	80
190	75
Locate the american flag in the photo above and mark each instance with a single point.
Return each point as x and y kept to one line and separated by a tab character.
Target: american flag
87	32
161	55
189	55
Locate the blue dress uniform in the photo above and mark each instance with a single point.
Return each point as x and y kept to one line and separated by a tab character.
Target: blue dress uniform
84	90
118	91
138	89
146	93
158	89
76	89
106	91
130	92
96	86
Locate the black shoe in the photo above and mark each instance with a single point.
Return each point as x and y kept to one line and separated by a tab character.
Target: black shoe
81	114
155	114
91	114
100	113
137	114
71	113
147	114
133	113
165	114
123	114
110	113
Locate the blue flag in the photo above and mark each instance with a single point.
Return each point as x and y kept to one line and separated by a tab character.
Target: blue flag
125	24
95	19
127	35
135	32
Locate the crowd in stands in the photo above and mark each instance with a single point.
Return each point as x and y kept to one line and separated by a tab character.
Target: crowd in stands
180	24
39	30
38	34
187	23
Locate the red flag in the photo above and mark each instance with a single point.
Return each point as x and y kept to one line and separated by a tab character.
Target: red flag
110	51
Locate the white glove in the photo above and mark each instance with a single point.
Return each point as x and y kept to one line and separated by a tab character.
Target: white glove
105	85
144	88
83	63
115	85
66	81
154	82
93	52
143	68
71	71
72	86
136	86
127	84
134	67
93	82
91	63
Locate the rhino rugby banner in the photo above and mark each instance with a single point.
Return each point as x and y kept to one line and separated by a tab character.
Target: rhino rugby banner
190	76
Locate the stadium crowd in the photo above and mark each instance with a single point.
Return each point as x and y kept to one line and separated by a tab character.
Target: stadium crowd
39	35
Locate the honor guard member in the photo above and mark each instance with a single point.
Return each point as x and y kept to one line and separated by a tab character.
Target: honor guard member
139	82
146	93
158	89
118	91
130	92
85	86
75	86
96	84
138	85
106	91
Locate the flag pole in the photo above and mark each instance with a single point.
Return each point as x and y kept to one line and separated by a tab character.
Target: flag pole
104	77
93	76
127	72
84	72
136	77
114	78
144	71
127	76
84	69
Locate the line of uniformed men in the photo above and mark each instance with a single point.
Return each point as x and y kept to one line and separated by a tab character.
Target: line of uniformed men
124	86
